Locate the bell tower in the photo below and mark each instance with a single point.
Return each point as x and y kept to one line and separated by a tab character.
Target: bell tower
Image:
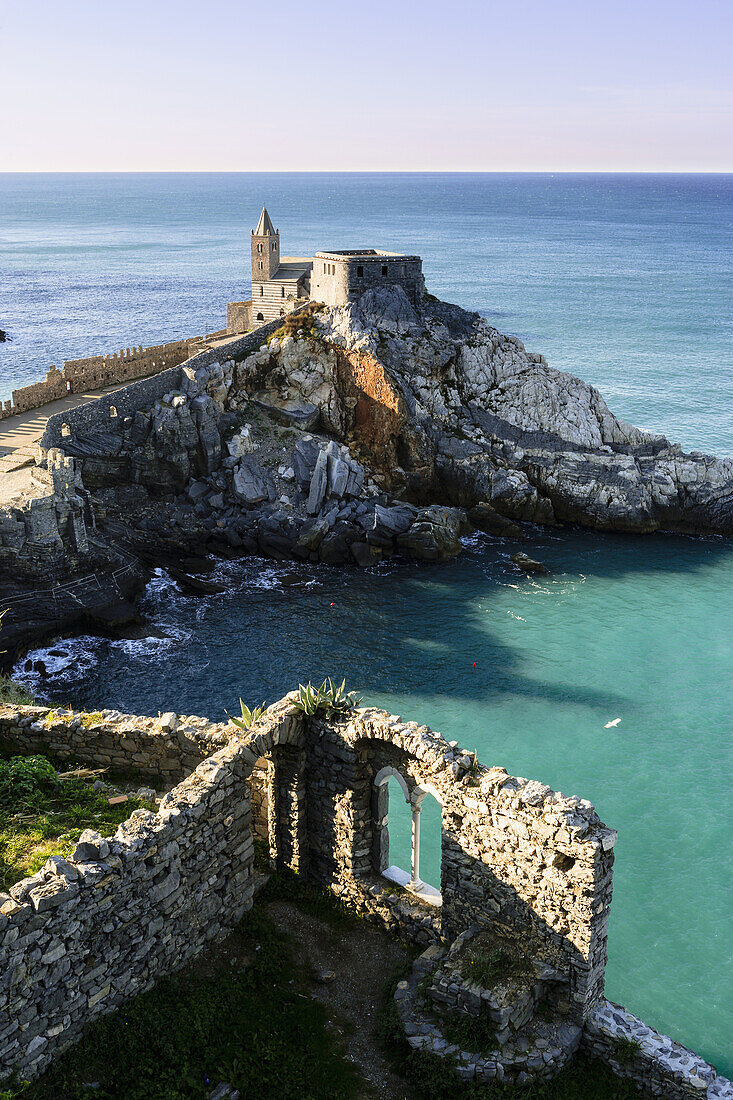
265	249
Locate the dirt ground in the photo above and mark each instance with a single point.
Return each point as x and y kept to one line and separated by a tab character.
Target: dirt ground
363	962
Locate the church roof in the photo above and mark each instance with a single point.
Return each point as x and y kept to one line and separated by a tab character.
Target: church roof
265	228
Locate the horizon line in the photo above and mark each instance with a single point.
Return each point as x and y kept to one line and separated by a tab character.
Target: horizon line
369	171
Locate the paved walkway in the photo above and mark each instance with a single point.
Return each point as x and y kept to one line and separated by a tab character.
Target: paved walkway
22	431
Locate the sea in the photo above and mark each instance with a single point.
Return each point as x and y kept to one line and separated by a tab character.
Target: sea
612	676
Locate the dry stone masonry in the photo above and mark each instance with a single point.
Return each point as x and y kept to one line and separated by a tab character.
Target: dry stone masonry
522	866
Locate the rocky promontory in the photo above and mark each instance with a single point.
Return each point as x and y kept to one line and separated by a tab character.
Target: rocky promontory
345	435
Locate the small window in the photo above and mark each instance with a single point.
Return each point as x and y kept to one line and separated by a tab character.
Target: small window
260	317
262	266
273	246
259	247
384	271
282	291
360	272
262	289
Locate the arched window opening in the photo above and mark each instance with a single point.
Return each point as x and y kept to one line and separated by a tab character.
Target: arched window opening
260	317
400	840
360	272
112	411
262	291
282	291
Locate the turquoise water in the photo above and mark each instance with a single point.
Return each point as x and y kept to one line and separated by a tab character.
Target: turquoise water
622	280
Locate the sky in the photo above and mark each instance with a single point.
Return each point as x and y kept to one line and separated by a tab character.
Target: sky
386	85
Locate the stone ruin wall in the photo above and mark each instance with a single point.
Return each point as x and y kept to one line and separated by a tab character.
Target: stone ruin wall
56	513
84	935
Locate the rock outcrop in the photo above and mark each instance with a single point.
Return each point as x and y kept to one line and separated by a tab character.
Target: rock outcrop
378	428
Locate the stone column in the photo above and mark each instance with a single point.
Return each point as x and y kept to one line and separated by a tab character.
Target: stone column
415	882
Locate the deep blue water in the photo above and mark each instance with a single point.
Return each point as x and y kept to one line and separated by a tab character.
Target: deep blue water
622	280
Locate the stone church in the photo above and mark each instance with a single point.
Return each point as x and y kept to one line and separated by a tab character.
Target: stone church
334	277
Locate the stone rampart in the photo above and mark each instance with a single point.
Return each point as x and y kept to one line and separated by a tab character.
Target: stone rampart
84	935
654	1062
165	749
97	371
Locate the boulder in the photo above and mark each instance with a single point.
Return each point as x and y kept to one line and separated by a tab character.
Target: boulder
487	519
293	412
435	534
250	483
529	565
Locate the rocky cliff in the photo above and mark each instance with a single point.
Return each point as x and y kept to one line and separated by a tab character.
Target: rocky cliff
348	435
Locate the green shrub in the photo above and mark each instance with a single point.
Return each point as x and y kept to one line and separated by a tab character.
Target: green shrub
26	783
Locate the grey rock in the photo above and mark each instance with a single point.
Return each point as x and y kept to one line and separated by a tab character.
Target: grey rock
250	484
318	484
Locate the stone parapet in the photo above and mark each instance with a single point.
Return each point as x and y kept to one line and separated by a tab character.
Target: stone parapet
653	1061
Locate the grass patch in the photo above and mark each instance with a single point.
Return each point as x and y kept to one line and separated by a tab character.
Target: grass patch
300	321
485	964
13	694
585	1079
252	1026
626	1050
42	815
472	1033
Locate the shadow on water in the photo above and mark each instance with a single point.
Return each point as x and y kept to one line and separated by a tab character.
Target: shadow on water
402	629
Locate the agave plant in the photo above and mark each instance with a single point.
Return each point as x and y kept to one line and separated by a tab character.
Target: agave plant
309	699
329	698
338	698
249	717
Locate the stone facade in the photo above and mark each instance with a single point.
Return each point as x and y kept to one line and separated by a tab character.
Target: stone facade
341	277
518	860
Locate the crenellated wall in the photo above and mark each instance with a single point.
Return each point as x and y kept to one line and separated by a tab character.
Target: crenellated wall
97	371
